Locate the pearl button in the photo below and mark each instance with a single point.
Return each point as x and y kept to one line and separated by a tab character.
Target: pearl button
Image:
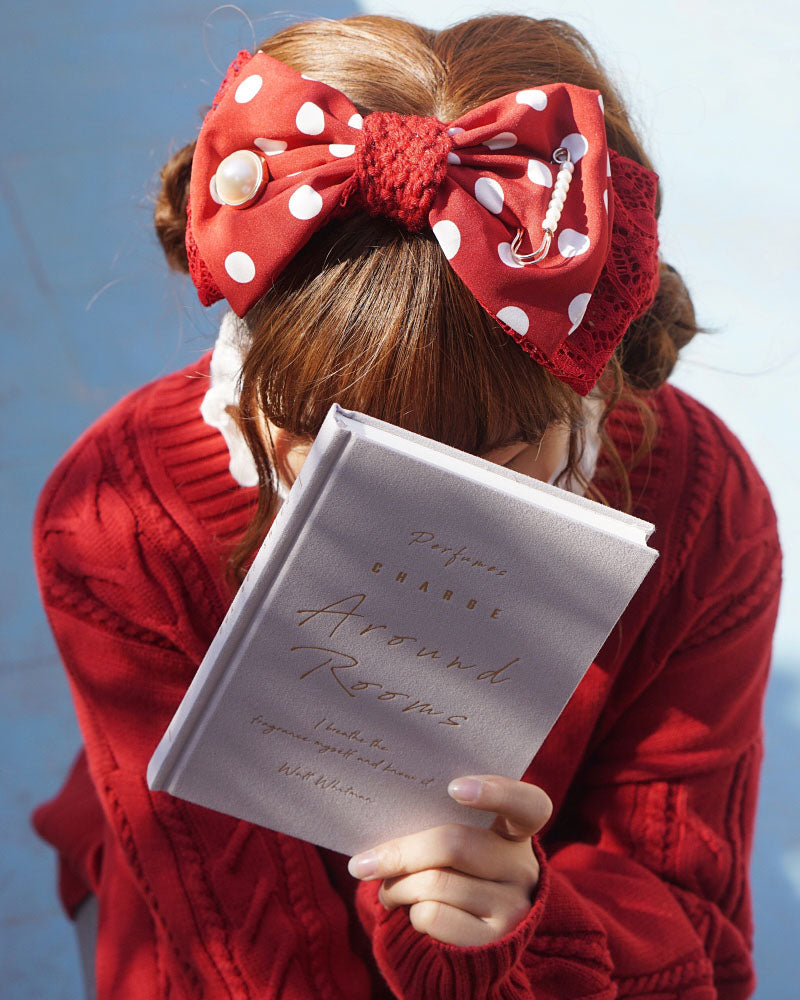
239	177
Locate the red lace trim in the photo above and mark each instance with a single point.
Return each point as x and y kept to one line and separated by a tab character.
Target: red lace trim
627	284
207	290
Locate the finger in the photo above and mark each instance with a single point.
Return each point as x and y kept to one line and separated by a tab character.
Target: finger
479	897
523	808
449	924
467	849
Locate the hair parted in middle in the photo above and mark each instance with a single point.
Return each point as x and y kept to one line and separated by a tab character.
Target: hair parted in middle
372	316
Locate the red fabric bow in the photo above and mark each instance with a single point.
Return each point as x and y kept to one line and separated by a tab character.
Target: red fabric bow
474	181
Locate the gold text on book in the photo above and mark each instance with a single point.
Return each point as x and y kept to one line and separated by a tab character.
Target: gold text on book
339	609
451	556
446	594
352	686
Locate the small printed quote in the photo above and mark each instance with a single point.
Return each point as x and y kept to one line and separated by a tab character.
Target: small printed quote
328	741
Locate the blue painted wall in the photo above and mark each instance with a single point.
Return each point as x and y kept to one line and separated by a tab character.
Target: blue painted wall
94	97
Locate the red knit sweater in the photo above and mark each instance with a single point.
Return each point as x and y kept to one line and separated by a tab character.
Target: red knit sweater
652	768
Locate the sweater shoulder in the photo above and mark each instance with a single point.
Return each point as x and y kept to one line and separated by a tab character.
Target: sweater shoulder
125	522
716	527
137	418
121	437
718	475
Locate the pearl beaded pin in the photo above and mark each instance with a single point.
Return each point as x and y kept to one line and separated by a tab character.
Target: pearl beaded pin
552	216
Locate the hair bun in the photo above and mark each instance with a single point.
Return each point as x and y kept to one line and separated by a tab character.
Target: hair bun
169	214
650	348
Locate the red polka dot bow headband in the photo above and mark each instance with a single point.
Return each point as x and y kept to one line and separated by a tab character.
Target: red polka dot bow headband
553	233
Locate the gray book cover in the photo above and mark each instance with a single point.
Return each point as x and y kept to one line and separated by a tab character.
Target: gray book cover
414	614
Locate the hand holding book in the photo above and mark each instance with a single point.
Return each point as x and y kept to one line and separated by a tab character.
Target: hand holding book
414	613
465	885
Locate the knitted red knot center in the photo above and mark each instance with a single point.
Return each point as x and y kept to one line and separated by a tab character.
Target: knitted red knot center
400	162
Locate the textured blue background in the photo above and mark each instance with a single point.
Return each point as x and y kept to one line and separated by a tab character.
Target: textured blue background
94	98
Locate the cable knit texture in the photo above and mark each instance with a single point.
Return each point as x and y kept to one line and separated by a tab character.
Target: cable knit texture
400	162
652	768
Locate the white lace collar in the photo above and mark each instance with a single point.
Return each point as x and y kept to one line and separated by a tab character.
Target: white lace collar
223	391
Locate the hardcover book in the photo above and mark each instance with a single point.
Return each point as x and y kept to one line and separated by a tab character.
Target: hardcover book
414	614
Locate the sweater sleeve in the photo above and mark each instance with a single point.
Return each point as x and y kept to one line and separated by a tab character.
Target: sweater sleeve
644	870
192	903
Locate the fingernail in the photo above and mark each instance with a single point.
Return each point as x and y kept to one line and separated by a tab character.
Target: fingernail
363	865
465	789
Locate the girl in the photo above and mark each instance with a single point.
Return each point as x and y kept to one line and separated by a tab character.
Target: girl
455	232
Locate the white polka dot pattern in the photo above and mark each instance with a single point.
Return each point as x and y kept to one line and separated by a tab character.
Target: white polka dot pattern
503	140
270	146
449	237
499	179
577	310
536	99
489	194
572	243
514	318
310	119
576	144
539	173
305	202
504	253
248	89
240	267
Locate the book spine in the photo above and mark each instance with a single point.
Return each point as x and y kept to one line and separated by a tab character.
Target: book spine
328	445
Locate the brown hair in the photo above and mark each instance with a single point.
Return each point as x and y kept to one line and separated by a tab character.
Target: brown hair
373	317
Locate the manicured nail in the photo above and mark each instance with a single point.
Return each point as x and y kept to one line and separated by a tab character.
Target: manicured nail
465	789
363	865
